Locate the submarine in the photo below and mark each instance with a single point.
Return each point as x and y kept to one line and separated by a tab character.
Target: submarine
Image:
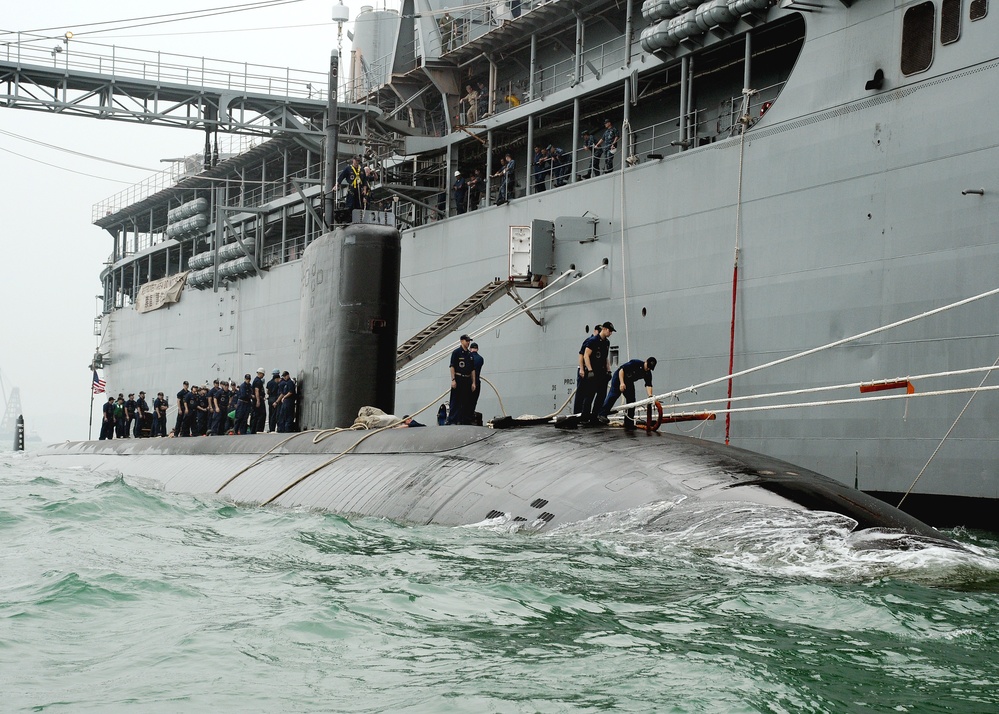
539	477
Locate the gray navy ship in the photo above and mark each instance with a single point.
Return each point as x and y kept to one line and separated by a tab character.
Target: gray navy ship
792	205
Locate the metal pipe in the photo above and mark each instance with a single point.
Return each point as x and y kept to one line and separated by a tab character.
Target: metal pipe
489	165
625	148
684	65
529	164
580	30
332	140
629	31
747	72
534	65
575	140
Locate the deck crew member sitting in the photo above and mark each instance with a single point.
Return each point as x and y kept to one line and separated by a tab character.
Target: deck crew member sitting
408	422
356	180
623	382
463	383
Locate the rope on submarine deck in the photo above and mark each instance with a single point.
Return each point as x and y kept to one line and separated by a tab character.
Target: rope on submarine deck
326	433
323	434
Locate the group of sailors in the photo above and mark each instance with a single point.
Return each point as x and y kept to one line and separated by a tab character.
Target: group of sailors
466	382
600	148
124	417
358	179
549	169
598	387
254	406
594	401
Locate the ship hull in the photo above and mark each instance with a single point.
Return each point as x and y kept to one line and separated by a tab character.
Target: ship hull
847	210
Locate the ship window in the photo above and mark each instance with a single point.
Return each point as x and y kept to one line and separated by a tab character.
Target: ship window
917	38
979	9
950	21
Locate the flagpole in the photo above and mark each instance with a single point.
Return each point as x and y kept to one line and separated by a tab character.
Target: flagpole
90	430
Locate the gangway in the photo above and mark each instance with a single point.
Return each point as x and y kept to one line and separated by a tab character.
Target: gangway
457	316
107	82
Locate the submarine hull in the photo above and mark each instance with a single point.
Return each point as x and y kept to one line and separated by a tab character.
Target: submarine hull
464	474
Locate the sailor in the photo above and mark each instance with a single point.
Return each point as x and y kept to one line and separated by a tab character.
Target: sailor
475	184
471	100
559	167
273	388
507	182
483	100
356	181
581	387
160	406
593	373
408	422
129	414
589	158
214	413
204	412
539	169
286	404
477	362
244	403
107	420
623	382
190	424
120	418
142	415
607	145
259	422
222	399
463	383
446	26
181	410
460	189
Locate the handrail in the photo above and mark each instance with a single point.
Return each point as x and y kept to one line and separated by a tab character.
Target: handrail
124	62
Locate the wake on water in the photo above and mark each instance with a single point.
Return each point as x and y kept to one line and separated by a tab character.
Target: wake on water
782	542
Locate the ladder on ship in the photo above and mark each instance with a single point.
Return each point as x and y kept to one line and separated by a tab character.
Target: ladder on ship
457	316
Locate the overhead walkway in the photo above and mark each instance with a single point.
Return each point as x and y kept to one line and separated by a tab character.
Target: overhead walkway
105	82
454	318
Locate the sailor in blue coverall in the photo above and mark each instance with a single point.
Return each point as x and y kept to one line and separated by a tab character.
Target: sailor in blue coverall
623	382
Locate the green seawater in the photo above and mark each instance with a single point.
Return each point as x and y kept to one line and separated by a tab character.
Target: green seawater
115	596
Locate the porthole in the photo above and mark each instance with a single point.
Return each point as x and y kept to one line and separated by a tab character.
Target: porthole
917	38
950	21
644	312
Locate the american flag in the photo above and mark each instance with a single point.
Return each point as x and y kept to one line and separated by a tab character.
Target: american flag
98	384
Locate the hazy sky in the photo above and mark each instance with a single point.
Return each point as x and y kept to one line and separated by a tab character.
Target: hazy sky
53	255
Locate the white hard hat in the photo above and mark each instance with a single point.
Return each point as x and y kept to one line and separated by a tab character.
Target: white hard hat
457	173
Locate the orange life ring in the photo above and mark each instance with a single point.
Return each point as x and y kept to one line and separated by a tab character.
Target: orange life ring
650	425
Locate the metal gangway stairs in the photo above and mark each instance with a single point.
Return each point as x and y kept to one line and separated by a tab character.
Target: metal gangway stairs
454	318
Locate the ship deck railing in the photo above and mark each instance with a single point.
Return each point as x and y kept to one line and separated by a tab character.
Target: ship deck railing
179	169
561	75
74	55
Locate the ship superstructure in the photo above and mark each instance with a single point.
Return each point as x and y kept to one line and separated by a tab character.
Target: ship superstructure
787	175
